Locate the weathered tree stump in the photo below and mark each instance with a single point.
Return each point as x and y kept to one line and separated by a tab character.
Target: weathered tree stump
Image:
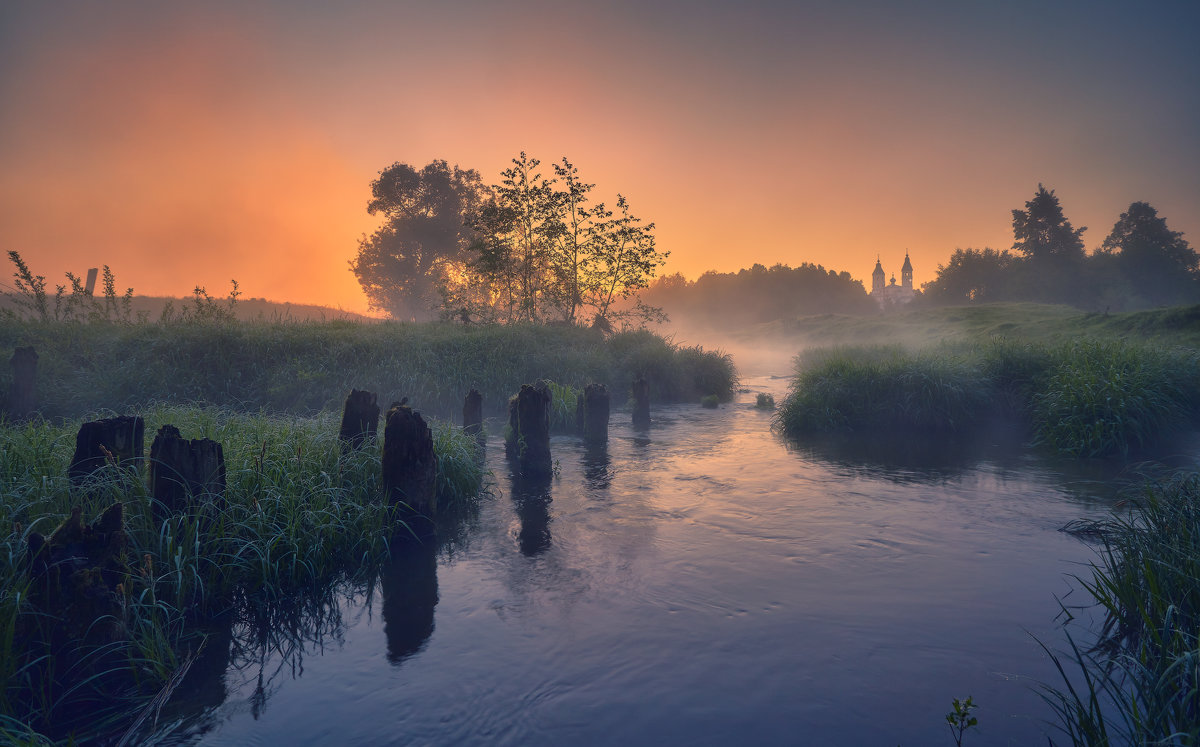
22	398
75	573
528	438
118	441
360	420
409	463
641	403
183	472
473	413
591	413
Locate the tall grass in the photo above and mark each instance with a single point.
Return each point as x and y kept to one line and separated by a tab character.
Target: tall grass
1084	398
305	367
1139	681
297	514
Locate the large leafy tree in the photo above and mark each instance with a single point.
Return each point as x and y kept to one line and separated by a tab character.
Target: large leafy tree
1157	264
972	276
424	238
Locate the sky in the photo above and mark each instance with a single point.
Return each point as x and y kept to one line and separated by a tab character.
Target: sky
187	144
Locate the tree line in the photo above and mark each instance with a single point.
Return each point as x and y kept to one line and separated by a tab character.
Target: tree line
1141	263
530	248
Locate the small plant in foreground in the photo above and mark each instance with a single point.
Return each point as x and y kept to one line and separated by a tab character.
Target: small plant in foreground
710	401
764	401
960	719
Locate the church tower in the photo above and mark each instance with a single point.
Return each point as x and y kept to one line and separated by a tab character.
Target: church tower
877	279
905	273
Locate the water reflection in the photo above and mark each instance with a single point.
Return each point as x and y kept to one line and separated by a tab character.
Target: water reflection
409	587
531	497
597	472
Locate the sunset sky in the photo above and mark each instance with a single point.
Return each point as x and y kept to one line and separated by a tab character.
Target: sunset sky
187	144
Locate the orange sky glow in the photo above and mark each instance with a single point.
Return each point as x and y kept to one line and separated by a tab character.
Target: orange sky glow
189	147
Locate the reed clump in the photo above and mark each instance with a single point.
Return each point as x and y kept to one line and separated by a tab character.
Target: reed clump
1138	682
297	514
1081	399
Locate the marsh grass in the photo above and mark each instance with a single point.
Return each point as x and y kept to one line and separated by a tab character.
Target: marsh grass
1138	682
297	514
1082	399
306	367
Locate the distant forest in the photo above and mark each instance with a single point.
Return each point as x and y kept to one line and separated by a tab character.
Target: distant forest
760	294
1140	264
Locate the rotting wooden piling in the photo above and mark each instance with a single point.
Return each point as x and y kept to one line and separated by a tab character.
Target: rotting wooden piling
592	413
527	440
360	420
409	462
641	402
119	441
184	472
473	413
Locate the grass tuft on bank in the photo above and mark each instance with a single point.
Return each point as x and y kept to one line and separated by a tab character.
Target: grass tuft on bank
298	515
1083	399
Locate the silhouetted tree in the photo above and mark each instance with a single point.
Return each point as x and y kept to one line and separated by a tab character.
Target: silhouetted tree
972	276
1042	232
1156	263
402	266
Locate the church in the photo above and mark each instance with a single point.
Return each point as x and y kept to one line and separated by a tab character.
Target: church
891	295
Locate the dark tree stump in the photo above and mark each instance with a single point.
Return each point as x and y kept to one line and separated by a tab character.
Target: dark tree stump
118	441
473	413
75	572
591	414
409	463
22	399
641	403
360	420
183	472
528	438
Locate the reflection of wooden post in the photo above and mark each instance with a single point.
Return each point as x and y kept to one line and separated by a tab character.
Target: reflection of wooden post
360	420
22	400
528	437
183	471
594	408
119	440
409	463
473	413
641	403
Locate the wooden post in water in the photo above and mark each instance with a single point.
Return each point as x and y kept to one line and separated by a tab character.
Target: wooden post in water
473	413
22	399
591	414
528	437
409	463
119	441
183	472
641	403
360	420
74	574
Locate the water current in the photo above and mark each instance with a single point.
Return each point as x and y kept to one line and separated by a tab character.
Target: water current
702	582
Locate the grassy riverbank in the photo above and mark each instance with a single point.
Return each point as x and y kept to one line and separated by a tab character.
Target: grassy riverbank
1083	399
304	367
298	515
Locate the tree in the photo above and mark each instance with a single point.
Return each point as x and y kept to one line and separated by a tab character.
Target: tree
972	276
1042	232
542	252
1157	264
402	266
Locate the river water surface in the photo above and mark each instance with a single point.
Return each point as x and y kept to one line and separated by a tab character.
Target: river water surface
702	582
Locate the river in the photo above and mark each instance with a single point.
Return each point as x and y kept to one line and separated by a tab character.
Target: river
702	582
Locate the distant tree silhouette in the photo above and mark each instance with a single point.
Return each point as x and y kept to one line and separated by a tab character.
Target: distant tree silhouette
1157	264
972	276
759	294
403	265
